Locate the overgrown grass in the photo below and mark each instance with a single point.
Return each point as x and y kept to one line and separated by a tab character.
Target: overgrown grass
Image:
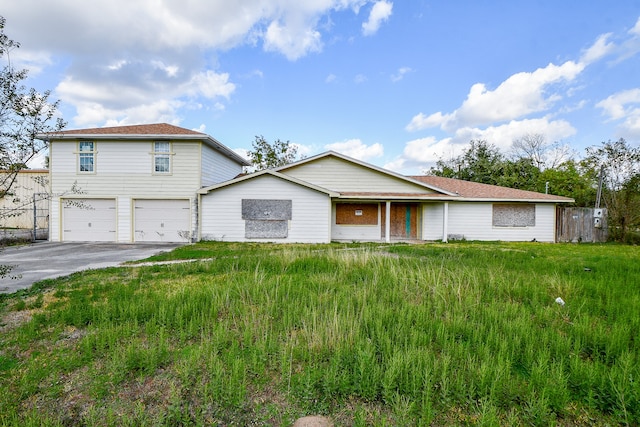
436	334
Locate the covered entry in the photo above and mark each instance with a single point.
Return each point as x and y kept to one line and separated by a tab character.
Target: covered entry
162	220
403	221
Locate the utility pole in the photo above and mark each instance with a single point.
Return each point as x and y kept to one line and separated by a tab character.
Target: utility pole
599	193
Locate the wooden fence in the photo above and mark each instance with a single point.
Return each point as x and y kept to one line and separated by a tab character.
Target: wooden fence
581	225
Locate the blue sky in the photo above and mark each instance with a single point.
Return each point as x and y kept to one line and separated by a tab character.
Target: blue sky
395	83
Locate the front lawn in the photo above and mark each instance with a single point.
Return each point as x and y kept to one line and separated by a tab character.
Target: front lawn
367	334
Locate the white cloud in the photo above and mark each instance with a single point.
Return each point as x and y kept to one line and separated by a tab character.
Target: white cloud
615	105
360	78
32	60
305	150
380	12
210	85
502	136
127	102
244	153
357	149
90	114
400	74
636	29
421	121
292	42
631	46
422	153
525	102
598	50
518	96
169	70
120	55
330	78
289	27
624	106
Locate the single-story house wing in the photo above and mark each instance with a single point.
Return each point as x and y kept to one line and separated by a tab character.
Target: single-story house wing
332	197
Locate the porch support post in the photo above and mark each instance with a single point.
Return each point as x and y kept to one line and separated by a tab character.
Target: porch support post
387	222
445	222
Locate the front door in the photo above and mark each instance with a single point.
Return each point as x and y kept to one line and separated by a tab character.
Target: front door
404	221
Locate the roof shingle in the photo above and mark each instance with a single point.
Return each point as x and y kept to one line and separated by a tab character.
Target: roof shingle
475	190
150	129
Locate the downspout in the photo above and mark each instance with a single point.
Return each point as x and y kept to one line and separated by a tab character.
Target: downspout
197	231
445	222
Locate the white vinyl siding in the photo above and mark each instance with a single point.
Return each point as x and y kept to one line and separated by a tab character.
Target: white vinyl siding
125	172
217	167
222	211
432	221
126	169
346	232
88	220
474	221
339	175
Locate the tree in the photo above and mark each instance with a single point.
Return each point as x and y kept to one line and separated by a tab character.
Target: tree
521	173
481	162
534	146
530	169
267	156
571	179
620	165
24	113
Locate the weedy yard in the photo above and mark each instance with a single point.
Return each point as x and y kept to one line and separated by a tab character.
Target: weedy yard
259	334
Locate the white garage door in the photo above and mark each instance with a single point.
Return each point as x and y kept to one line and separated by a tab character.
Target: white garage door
89	220
162	221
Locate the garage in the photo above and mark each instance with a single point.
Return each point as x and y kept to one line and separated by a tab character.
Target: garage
85	220
162	220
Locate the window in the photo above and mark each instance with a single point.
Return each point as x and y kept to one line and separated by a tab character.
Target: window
86	156
514	215
161	157
357	213
266	219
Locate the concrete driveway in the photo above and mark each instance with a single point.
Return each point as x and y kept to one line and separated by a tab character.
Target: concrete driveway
47	260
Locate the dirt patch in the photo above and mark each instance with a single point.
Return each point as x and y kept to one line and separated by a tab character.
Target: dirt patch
14	319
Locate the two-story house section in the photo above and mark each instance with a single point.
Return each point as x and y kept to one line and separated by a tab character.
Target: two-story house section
132	183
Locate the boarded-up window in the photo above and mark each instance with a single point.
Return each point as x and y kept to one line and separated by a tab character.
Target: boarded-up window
514	215
266	209
266	219
270	229
357	213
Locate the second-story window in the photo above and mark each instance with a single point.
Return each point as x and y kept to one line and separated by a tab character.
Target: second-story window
161	157
86	156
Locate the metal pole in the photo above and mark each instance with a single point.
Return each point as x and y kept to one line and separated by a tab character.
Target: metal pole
599	193
35	219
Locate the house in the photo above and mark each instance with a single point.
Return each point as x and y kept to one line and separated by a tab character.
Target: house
331	197
160	182
132	183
